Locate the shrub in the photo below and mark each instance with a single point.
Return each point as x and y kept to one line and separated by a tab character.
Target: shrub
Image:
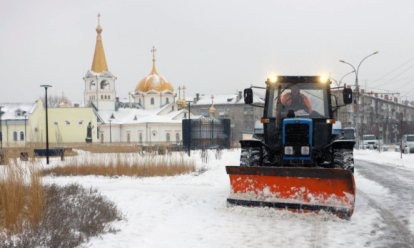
71	216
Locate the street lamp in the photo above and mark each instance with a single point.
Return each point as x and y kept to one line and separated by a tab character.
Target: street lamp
47	126
189	131
110	127
357	92
1	131
25	129
110	131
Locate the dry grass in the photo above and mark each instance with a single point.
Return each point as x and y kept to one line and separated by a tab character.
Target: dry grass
14	152
32	215
113	148
21	196
126	165
126	148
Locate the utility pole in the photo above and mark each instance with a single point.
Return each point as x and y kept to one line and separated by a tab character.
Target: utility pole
356	116
47	125
1	131
189	121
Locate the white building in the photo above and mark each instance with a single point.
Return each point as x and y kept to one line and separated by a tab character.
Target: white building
152	116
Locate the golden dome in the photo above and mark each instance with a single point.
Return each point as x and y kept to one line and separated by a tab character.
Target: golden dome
154	81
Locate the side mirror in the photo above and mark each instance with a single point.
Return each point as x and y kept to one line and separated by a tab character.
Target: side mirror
347	95
248	96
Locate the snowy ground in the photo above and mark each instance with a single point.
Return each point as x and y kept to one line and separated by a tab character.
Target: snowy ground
191	211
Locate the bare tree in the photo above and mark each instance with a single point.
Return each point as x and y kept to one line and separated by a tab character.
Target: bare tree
55	100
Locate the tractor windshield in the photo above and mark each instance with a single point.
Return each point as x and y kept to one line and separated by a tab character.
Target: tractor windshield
304	99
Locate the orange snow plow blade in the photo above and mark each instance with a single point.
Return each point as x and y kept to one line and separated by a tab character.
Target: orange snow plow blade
295	189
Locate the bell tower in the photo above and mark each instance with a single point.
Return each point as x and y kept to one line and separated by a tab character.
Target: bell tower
99	82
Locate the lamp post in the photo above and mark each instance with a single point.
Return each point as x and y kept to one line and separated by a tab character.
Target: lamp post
189	127
338	83
357	93
47	126
110	131
25	129
1	131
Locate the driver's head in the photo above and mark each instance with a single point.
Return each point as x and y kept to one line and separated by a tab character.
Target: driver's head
295	90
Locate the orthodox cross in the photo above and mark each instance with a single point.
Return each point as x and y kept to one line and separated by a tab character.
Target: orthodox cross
99	19
153	50
212	102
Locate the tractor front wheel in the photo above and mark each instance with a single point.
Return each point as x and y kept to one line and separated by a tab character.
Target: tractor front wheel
250	156
344	159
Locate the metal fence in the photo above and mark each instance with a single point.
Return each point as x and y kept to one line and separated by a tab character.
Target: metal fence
206	133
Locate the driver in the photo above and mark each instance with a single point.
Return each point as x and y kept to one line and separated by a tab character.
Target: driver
296	101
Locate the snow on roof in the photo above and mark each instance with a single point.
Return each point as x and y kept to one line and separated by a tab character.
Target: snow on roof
11	110
136	116
224	99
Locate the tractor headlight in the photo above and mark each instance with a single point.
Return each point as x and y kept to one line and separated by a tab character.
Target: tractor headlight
273	79
304	150
289	150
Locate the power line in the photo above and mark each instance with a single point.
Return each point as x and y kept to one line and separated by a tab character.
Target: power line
395	76
392	70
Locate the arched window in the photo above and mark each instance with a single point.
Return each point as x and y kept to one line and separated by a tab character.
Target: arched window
167	100
14	136
128	137
22	135
140	137
101	96
92	85
177	138
139	100
152	100
104	85
105	97
109	97
168	137
172	107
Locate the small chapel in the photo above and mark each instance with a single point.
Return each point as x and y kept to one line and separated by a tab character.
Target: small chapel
151	115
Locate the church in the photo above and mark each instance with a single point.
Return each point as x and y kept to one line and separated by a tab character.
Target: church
151	115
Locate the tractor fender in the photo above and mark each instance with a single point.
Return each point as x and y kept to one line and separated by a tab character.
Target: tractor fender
343	144
251	143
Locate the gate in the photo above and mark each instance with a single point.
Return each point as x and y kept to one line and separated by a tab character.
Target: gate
206	132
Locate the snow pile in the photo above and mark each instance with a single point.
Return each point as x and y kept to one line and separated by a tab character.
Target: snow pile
390	157
191	211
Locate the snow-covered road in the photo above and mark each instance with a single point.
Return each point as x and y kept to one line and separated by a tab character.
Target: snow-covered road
394	201
191	211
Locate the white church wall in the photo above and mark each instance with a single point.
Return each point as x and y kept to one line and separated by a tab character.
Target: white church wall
151	102
150	134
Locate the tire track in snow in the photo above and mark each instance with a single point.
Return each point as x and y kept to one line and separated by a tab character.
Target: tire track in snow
395	207
401	232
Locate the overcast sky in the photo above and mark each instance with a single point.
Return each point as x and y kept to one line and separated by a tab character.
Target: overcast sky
211	47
